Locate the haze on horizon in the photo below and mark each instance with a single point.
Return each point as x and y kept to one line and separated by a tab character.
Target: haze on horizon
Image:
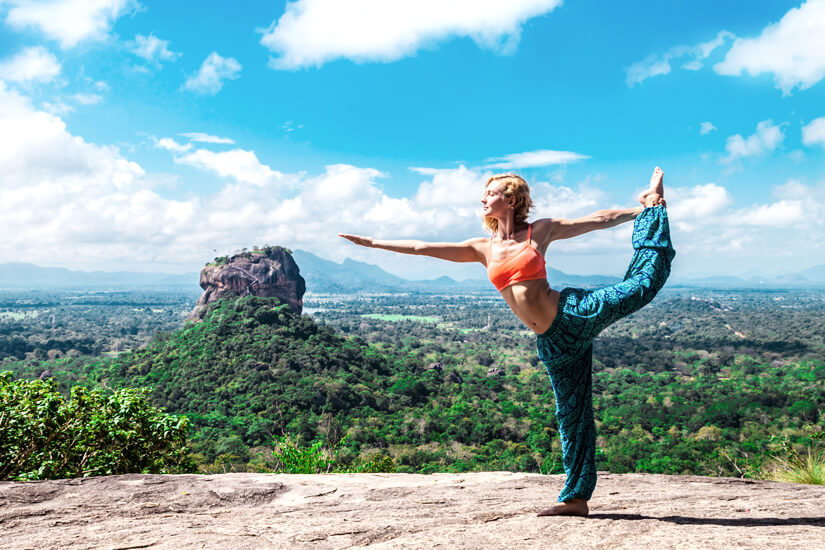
152	137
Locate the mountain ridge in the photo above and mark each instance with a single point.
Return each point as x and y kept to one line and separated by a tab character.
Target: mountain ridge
324	275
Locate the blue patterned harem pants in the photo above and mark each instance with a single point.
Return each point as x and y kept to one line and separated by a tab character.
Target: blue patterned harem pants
566	348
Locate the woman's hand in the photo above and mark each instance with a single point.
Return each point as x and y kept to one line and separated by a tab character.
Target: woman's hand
362	241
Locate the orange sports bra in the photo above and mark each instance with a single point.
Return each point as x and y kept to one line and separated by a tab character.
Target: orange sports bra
525	265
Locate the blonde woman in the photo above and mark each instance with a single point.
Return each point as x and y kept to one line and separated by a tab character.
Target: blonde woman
565	322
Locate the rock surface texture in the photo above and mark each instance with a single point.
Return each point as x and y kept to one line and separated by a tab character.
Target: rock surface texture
270	272
451	511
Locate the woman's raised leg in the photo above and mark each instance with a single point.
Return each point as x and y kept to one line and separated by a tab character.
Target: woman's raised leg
649	268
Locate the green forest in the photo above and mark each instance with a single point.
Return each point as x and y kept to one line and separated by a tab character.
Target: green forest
426	383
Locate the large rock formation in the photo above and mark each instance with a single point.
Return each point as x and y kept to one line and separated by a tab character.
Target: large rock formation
269	272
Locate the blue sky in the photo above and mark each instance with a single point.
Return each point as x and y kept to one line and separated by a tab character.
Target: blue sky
153	135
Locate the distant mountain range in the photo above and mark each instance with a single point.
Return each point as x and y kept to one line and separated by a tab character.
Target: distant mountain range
351	276
30	276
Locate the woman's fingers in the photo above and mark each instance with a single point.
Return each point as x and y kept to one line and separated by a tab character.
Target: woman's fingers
357	239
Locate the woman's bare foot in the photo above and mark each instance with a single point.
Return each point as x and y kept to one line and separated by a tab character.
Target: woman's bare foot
655	194
573	507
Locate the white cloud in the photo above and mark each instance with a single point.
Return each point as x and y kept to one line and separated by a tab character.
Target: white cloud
766	138
242	166
200	137
792	49
692	206
57	107
534	159
706	128
210	77
171	145
289	126
87	99
314	32
68	21
35	64
778	214
814	132
693	59
647	68
153	49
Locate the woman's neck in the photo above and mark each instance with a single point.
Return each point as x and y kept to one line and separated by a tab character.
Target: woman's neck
506	229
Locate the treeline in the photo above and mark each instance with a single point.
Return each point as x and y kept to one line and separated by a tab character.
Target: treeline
50	325
253	371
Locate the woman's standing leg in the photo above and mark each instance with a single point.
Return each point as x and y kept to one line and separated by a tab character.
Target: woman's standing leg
573	387
569	360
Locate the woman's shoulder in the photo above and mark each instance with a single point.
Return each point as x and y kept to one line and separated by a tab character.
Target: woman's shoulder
543	227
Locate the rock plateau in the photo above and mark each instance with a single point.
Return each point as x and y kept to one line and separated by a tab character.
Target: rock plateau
390	511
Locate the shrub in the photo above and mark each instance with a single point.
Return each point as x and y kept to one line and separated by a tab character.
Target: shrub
290	458
43	436
792	466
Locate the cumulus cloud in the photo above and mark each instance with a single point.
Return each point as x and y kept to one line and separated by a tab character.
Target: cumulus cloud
35	64
314	32
690	207
242	166
65	201
213	72
692	58
792	49
534	159
153	49
778	214
766	138
814	132
69	22
706	128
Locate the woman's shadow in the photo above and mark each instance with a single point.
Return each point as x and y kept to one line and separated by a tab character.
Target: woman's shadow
728	522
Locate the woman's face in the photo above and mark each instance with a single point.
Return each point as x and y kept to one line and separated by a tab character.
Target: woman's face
493	201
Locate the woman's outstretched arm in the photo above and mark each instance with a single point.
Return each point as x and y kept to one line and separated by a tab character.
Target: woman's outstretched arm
550	229
472	250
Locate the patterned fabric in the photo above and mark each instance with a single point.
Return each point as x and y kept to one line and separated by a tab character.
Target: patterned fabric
567	347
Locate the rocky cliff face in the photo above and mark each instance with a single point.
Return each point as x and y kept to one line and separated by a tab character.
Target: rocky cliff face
268	272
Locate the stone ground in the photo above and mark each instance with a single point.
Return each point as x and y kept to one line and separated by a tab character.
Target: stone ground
451	511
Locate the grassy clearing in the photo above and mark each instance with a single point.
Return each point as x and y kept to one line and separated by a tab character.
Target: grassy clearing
396	318
18	315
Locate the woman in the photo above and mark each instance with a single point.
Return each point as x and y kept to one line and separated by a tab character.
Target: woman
565	322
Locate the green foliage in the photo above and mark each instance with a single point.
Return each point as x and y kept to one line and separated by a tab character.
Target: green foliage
290	458
378	463
43	436
665	402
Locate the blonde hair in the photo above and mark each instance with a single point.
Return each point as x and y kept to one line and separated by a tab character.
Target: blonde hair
516	187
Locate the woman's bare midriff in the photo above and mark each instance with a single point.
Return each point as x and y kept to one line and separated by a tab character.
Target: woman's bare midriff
534	302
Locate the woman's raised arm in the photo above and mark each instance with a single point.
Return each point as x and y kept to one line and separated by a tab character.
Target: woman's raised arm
550	229
471	250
